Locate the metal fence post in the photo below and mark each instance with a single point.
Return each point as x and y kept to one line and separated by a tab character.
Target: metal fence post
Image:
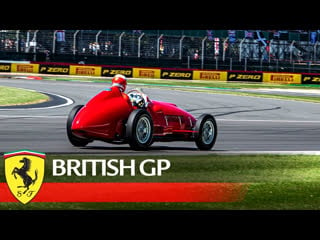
158	47
28	42
120	37
97	41
240	49
180	47
224	48
139	45
291	50
315	51
202	51
54	42
17	39
74	42
269	53
34	40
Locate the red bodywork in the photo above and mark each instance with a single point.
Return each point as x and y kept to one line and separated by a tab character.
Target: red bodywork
105	115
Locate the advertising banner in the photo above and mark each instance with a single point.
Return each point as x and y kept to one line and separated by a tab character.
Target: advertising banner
26	68
54	69
245	76
111	71
310	79
282	78
210	75
176	74
146	73
85	70
5	67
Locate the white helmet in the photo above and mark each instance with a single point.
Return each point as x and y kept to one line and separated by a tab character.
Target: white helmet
137	100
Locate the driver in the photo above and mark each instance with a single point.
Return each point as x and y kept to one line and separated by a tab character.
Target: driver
136	97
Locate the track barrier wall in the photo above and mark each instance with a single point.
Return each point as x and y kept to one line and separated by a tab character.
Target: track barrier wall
159	73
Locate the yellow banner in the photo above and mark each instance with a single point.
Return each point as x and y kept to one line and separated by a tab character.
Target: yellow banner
146	73
85	70
25	67
210	75
282	78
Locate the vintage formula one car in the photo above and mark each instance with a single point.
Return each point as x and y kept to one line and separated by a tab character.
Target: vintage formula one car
112	118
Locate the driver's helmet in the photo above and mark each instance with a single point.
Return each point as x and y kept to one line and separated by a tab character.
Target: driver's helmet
137	100
119	81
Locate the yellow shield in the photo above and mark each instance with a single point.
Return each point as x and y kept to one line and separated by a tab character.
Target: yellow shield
24	171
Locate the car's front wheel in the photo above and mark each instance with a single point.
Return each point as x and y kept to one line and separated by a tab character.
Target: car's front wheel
207	131
74	140
139	129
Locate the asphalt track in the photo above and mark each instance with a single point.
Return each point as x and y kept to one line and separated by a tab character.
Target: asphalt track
245	124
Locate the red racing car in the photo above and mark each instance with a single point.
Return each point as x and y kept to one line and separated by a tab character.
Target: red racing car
135	119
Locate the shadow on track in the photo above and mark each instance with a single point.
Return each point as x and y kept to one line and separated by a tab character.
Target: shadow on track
151	149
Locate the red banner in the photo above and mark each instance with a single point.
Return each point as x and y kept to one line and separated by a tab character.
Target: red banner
133	192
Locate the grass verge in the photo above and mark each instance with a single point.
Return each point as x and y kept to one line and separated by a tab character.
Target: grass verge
10	96
275	182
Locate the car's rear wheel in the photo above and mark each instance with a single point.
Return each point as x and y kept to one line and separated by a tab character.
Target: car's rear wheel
74	140
139	129
207	132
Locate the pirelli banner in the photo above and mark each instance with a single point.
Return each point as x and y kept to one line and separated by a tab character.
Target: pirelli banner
111	71
285	78
310	78
210	75
25	67
245	76
146	73
5	67
85	70
54	69
176	74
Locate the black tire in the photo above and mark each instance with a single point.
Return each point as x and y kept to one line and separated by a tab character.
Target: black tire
74	140
207	132
138	120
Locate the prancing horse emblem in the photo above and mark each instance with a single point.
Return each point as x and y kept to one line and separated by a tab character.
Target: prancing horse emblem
24	171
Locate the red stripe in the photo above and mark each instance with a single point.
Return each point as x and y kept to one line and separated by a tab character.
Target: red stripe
133	192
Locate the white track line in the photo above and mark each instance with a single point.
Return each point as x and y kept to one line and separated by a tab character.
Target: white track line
69	102
267	120
30	116
267	152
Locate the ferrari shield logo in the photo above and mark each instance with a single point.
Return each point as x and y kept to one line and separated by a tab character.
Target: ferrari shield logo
24	171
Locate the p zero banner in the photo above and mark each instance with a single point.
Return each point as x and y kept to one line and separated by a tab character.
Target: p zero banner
111	71
54	69
210	75
176	74
146	73
310	79
282	78
245	76
5	67
24	67
85	70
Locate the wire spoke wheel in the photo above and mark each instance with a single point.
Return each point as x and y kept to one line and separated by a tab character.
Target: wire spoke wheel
143	130
206	132
139	129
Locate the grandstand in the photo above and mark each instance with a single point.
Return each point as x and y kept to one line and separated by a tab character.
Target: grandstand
249	50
